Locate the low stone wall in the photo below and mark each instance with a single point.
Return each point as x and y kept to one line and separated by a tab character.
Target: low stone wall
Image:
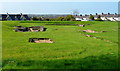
40	40
81	25
62	24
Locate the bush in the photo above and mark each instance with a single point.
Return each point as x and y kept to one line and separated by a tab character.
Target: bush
66	18
91	17
99	18
60	18
34	18
69	18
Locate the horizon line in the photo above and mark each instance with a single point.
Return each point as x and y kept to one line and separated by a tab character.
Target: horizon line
59	13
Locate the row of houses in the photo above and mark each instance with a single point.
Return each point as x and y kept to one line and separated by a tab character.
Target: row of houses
104	17
14	17
27	16
110	17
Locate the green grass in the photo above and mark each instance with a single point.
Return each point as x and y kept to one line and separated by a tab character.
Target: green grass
70	50
0	45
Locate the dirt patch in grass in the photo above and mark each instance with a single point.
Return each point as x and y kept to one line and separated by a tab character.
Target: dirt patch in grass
99	38
89	31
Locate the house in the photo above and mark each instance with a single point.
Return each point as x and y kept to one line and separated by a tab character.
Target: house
0	17
111	17
82	18
104	17
29	29
14	17
78	19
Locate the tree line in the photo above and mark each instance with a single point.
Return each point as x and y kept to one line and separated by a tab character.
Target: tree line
65	18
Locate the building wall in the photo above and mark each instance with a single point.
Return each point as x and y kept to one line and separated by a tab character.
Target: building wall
103	18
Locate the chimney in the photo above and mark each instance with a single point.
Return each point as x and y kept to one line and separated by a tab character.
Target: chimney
108	13
96	14
102	13
115	13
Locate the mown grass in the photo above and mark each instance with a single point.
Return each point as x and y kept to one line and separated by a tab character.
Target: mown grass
70	50
0	45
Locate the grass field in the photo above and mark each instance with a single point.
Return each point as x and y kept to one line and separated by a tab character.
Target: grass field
70	50
0	46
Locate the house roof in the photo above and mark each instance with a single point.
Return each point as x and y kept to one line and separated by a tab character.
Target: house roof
14	16
103	15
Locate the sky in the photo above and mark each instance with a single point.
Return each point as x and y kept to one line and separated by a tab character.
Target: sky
59	0
59	7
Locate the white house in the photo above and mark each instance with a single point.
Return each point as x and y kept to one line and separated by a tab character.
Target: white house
104	17
82	18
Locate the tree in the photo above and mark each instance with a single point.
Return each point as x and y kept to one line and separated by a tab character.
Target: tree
75	12
69	18
98	18
47	19
60	18
40	19
52	19
91	17
34	18
85	14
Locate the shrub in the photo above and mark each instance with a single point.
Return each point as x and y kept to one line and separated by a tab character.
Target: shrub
91	17
69	18
34	18
99	18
